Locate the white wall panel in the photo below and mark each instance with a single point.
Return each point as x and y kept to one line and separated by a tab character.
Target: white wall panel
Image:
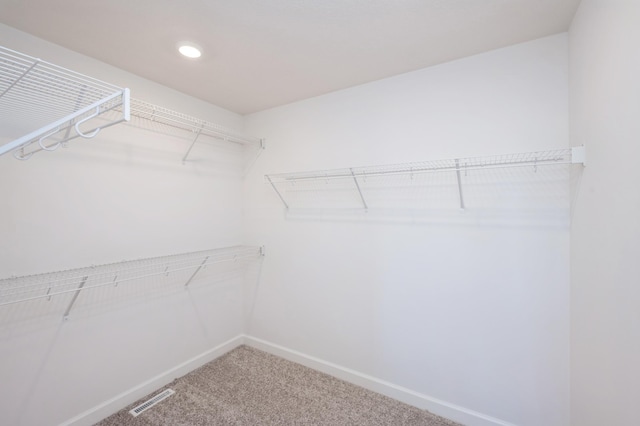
467	307
605	234
123	195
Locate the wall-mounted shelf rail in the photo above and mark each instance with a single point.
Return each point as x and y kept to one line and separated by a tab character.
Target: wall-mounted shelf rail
43	105
146	115
71	283
352	187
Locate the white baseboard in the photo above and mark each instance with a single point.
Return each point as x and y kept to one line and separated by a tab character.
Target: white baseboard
118	402
434	405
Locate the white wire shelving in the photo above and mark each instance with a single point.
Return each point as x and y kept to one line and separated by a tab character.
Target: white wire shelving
355	187
153	117
42	105
70	284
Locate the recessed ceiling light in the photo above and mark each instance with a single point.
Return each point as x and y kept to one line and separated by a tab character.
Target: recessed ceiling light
189	50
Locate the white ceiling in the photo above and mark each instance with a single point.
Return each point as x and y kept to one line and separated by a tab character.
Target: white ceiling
259	54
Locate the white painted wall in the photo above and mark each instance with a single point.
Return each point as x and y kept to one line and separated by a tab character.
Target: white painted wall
466	309
605	234
121	196
126	184
470	308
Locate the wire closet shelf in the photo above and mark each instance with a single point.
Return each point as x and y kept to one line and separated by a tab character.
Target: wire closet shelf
49	105
71	282
146	115
282	182
43	106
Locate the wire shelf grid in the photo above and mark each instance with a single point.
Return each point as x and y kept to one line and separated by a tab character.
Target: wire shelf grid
43	104
427	184
161	120
144	112
39	100
71	282
528	159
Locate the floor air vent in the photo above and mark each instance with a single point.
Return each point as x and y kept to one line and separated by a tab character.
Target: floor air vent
153	401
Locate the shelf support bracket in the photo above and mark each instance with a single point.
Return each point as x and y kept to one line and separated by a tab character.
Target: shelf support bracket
459	184
355	180
196	271
34	136
277	192
184	159
75	296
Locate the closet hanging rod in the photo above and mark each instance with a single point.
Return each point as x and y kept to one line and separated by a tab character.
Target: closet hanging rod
530	159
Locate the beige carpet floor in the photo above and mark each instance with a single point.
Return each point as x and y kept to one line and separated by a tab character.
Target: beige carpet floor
250	387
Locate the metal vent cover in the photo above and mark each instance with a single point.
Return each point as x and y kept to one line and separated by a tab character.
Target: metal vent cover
153	401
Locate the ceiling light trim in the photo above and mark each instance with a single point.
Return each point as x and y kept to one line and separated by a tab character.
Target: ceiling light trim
190	50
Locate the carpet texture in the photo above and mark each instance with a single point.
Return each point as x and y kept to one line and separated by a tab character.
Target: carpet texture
250	387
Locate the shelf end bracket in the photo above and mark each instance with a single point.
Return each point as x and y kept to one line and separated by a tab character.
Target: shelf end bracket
579	155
